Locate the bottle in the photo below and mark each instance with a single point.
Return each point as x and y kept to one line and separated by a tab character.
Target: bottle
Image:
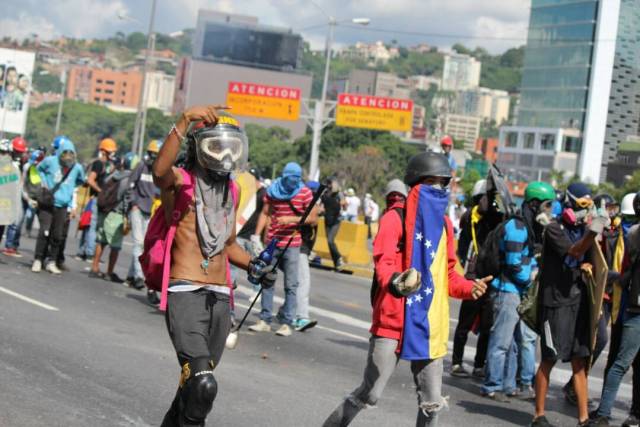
264	259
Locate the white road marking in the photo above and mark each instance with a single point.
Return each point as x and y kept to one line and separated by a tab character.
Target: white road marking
29	300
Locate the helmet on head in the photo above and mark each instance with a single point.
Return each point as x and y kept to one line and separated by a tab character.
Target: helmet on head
426	164
19	144
222	148
578	196
538	190
479	188
447	141
108	145
626	207
57	141
395	186
129	161
5	146
154	146
255	172
351	192
36	157
607	198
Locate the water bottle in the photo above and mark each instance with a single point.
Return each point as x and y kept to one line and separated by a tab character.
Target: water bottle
264	260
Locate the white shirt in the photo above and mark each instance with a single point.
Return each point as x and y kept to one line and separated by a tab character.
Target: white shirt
375	211
353	204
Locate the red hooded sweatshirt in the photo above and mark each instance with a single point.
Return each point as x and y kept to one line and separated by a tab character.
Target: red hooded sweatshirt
388	310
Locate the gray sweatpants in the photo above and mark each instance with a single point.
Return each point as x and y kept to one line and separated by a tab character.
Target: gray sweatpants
381	362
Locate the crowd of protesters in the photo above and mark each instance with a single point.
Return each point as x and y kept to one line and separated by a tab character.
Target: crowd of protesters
516	260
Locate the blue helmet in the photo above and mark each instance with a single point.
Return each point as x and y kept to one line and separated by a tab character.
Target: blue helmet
130	161
57	141
36	157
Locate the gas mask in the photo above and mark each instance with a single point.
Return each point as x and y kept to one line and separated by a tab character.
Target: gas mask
149	158
544	213
222	148
67	159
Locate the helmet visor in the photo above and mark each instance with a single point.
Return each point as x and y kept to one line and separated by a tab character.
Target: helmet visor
222	150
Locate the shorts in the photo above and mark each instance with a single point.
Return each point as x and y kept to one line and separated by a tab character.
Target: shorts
565	332
110	229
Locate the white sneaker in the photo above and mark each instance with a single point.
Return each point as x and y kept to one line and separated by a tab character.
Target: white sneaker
284	331
260	326
53	268
37	266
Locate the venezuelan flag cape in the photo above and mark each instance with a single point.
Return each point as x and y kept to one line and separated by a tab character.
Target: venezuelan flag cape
426	317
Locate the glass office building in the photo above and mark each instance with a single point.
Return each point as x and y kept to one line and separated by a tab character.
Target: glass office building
557	63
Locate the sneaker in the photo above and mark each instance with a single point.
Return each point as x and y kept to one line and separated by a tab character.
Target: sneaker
113	277
340	264
459	371
498	396
137	284
513	393
80	257
152	298
284	331
570	393
96	275
62	266
540	422
478	372
527	393
12	252
631	421
260	326
37	266
596	422
302	325
53	268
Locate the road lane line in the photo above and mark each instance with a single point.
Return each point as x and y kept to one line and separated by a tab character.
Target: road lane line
29	300
346	334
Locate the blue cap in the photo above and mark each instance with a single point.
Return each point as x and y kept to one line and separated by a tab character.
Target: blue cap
292	169
312	185
579	189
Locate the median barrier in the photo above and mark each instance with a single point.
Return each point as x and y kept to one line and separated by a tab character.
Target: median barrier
351	241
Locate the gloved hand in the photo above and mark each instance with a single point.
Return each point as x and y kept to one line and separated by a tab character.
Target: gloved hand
405	283
256	245
269	276
260	273
33	204
599	221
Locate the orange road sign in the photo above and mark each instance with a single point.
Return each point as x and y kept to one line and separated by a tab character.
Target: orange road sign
374	112
269	102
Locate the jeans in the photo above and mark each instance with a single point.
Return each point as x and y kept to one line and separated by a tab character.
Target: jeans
139	223
469	310
14	230
87	246
51	236
304	287
381	362
289	265
332	232
526	342
629	346
502	363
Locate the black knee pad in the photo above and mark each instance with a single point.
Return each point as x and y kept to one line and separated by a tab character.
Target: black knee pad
199	389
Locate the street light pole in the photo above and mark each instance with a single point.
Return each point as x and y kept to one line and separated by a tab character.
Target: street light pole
63	89
318	117
141	114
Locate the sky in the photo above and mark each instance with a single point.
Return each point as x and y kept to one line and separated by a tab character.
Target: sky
495	25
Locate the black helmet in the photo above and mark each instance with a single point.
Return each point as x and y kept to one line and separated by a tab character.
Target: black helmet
608	200
426	164
636	204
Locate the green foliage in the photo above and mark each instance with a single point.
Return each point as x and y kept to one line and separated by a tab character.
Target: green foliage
46	82
87	124
467	182
270	148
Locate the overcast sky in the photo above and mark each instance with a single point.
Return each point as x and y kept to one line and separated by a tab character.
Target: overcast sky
494	24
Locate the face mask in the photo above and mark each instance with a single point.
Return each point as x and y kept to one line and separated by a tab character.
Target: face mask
543	219
149	159
290	182
67	159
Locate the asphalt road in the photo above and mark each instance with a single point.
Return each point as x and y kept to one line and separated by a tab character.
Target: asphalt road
76	351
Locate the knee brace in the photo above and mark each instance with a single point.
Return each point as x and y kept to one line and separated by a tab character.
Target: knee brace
198	390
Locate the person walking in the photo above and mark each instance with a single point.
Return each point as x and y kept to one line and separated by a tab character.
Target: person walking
353	205
333	202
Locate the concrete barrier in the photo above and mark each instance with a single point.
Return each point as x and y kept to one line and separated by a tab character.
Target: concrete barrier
351	241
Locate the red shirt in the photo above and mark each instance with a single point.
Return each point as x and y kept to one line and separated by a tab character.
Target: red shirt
280	208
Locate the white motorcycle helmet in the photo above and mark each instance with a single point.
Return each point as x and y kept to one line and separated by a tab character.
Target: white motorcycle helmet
222	148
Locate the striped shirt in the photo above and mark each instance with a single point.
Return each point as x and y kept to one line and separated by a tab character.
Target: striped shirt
280	208
518	262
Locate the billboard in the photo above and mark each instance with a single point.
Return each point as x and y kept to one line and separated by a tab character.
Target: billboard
374	112
265	101
16	69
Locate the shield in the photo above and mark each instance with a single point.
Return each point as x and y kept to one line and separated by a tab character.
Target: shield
9	191
498	190
596	282
247	203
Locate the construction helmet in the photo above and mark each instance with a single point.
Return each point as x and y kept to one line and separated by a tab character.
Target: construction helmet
19	144
5	146
426	164
446	140
626	207
479	188
608	200
108	145
538	190
154	146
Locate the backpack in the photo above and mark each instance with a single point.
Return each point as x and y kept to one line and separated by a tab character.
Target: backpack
375	286
490	260
156	255
108	197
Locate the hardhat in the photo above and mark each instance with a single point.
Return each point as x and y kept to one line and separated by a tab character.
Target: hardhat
479	188
351	192
154	146
626	207
36	157
446	140
129	161
19	144
395	186
57	141
108	145
538	190
608	200
426	164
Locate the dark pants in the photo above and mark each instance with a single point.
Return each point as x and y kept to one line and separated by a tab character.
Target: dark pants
469	310
614	348
198	323
332	232
52	233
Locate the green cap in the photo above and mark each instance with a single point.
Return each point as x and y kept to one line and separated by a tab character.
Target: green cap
539	190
